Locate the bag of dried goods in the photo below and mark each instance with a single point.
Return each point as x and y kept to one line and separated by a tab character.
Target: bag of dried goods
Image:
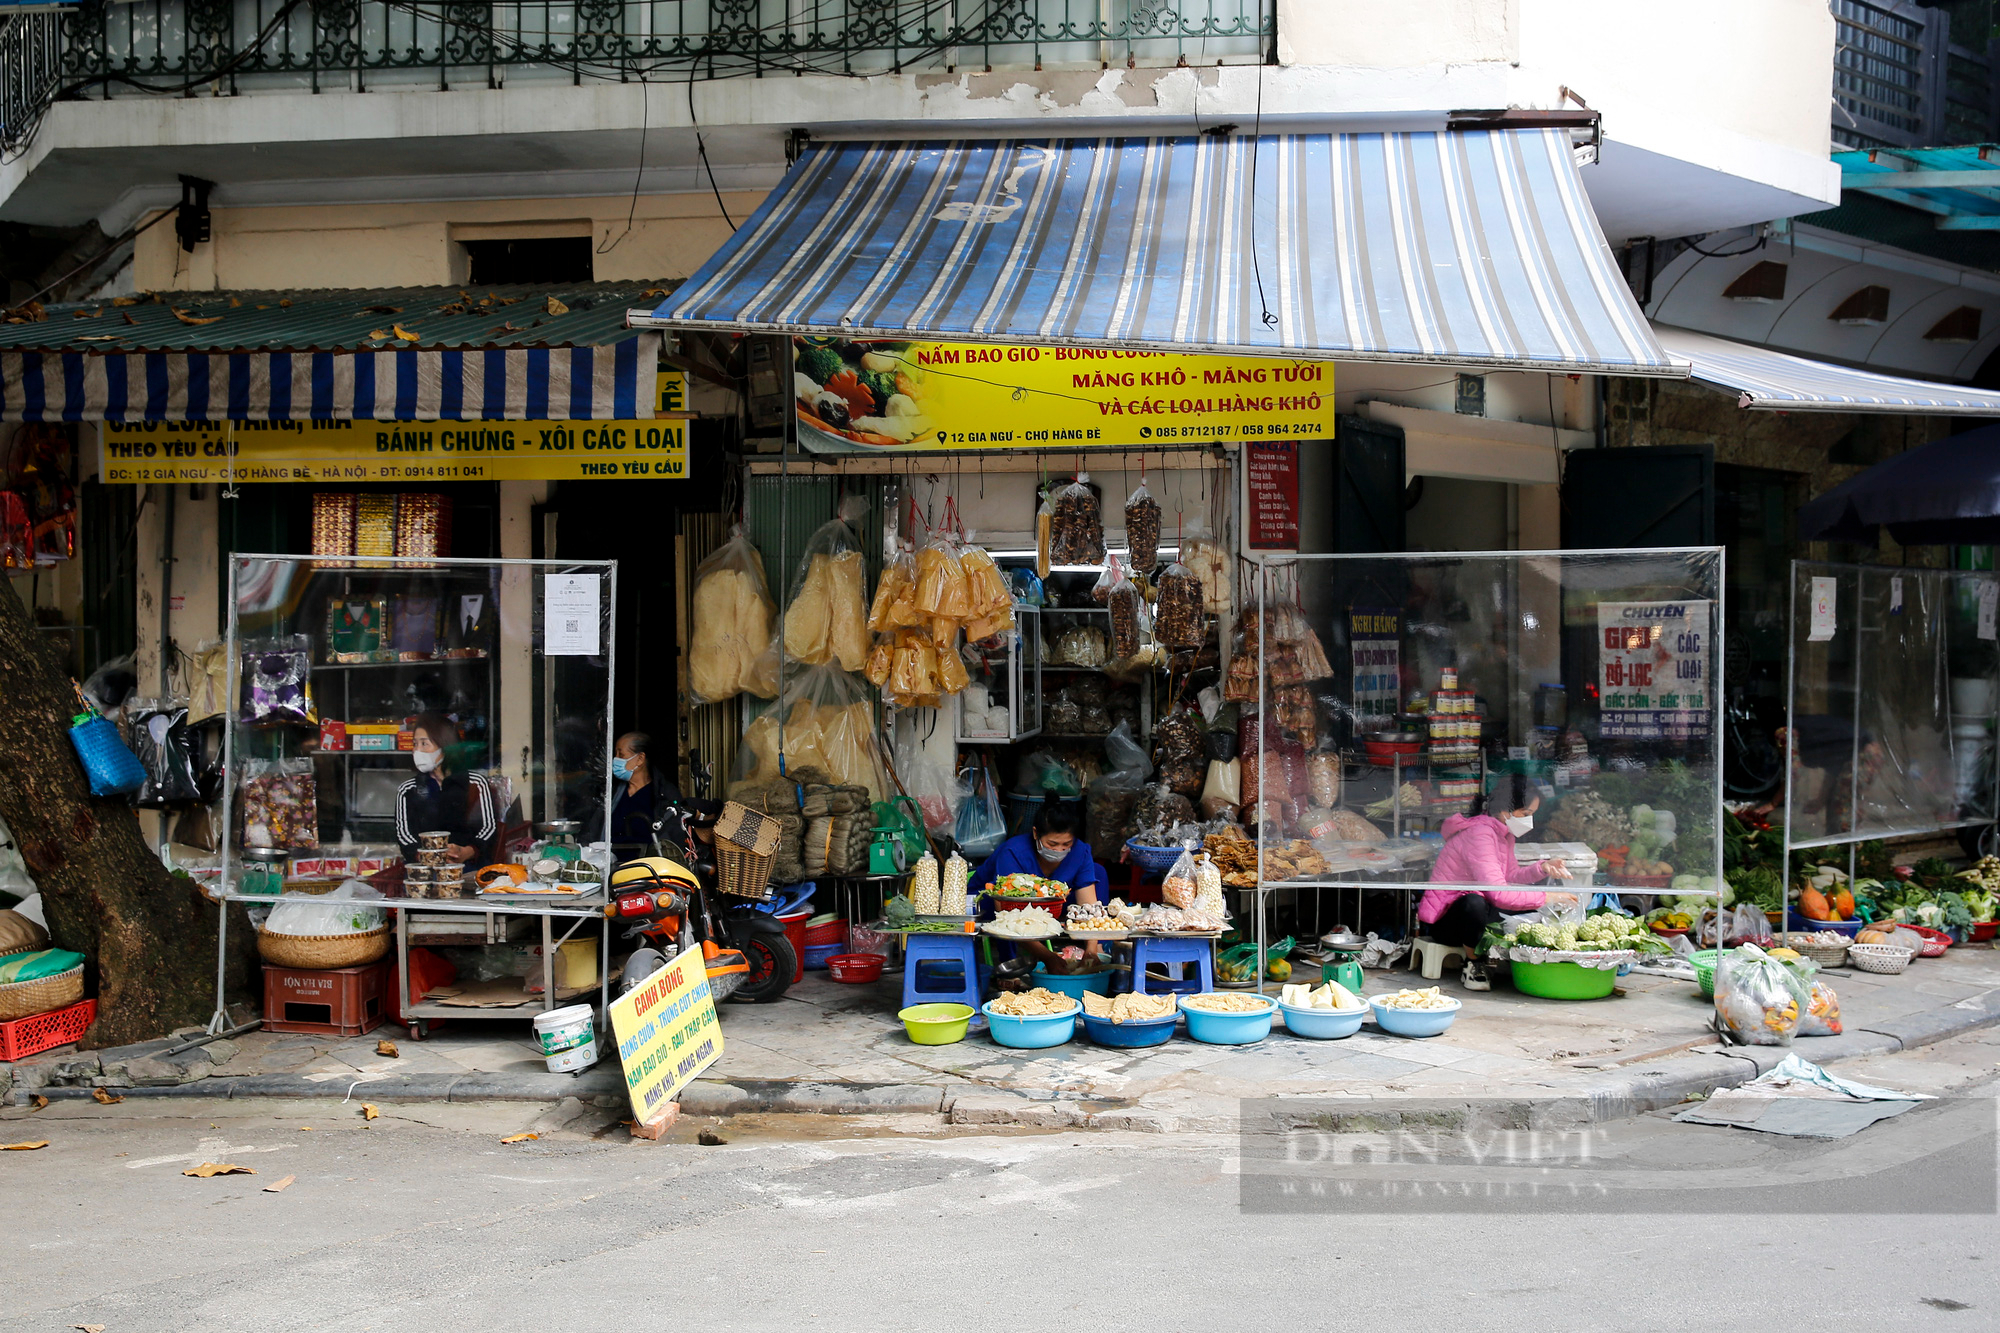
1076	525
732	616
1159	809
280	803
1178	621
1758	999
1179	888
1108	807
1204	555
1208	886
1223	791
827	617
951	896
829	723
926	886
895	603
1293	629
1125	604
1323	775
1180	751
1142	529
1044	534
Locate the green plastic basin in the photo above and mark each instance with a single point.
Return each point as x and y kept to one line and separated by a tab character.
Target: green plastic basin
936	1024
1563	981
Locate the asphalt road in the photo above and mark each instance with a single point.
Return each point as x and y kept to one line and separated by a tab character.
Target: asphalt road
423	1220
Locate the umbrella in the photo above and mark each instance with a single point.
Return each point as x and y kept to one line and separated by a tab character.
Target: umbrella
1945	493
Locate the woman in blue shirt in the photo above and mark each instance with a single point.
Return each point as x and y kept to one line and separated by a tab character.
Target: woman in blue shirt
1051	849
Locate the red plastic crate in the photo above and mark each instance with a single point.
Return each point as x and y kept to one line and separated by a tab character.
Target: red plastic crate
338	1001
23	1037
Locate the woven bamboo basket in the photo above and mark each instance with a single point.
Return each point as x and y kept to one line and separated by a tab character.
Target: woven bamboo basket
1826	955
22	998
1887	959
746	845
323	951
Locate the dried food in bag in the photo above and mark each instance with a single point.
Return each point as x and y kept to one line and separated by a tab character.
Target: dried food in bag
895	603
1179	888
1204	555
952	896
277	680
829	724
1142	529
1290	626
280	804
732	617
1044	534
1080	645
1323	776
926	886
1076	525
1178	621
1125	604
827	617
1156	813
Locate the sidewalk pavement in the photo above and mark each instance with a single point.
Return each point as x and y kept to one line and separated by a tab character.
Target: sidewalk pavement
833	1049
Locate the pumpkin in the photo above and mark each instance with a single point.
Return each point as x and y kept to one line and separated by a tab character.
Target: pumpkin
1871	935
1843	903
1814	906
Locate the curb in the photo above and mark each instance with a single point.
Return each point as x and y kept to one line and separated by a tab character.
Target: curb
1633	1091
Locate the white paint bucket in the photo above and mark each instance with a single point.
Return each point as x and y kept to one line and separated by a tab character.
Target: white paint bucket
567	1038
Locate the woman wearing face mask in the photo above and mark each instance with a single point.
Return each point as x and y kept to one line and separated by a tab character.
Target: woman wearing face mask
1050	848
440	797
1479	849
640	797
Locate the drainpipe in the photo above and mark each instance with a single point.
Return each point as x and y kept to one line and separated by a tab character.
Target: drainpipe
166	609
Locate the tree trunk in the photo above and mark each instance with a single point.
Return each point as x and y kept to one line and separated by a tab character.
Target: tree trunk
149	935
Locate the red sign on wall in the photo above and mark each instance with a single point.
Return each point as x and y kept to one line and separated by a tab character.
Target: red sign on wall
1272	470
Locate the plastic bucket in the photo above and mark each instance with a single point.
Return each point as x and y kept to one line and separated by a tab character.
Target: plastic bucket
1563	981
795	931
567	1038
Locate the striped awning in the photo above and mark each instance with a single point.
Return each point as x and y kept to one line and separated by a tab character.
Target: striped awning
1781	382
514	353
1476	248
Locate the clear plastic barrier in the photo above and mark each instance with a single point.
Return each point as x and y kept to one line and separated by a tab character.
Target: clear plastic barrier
1892	701
1385	698
381	703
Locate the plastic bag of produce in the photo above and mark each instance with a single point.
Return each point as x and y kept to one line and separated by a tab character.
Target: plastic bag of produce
1178	621
1758	999
829	724
1122	598
1822	1015
732	617
1244	963
1208	561
827	617
348	910
1076	525
1142	528
1179	888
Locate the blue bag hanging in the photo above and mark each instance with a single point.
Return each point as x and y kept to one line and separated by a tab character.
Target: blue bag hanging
112	768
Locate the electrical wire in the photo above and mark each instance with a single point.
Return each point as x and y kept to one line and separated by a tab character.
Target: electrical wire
1256	140
1762	241
702	148
645	119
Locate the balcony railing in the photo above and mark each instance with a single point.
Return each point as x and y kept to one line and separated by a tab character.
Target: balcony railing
1900	82
204	47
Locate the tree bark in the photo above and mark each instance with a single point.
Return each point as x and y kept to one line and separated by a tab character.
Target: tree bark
149	936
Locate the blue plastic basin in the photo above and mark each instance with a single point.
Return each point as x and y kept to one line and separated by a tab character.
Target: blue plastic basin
1151	1032
1030	1034
1321	1024
1413	1022
1218	1029
817	954
1075	986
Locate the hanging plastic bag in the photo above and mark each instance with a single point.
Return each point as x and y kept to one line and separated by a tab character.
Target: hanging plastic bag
1205	558
829	724
992	600
1178	621
1179	889
277	675
827	617
1044	534
1108	807
161	745
1076	525
1142	529
280	804
1758	999
108	688
928	778
981	827
732	615
1127	610
110	766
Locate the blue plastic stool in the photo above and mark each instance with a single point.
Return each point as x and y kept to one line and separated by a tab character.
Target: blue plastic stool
953	978
1147	950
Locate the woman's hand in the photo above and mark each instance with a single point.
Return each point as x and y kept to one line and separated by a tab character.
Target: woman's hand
1554	868
1559	900
458	853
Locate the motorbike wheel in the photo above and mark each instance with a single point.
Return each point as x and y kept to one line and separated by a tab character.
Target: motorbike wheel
773	964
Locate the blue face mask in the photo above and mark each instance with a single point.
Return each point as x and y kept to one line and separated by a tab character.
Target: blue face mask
620	767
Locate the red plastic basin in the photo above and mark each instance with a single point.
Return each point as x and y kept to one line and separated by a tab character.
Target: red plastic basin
855	968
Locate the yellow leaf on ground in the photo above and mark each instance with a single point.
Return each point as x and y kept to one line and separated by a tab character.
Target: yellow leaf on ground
556	307
377	334
185	318
404	334
388	1048
279	1184
369	1111
29	1146
103	1098
207	1169
519	1138
40	1102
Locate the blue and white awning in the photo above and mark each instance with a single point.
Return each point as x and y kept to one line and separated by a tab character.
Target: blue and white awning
1475	247
613	382
1780	382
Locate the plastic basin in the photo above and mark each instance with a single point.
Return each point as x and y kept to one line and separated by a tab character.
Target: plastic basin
936	1024
1412	1022
817	954
1848	928
1704	970
1563	981
1030	1034
856	969
1321	1024
1221	1029
1984	930
1098	983
1151	1032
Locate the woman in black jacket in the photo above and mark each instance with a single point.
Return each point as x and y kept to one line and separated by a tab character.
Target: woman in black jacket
442	799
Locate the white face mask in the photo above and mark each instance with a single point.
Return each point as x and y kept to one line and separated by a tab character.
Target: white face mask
1520	825
1052	857
426	760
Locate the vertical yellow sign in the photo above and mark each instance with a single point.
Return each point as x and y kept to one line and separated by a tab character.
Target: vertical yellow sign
666	1033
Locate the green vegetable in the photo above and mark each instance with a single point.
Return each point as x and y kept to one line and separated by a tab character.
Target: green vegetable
819	363
882	383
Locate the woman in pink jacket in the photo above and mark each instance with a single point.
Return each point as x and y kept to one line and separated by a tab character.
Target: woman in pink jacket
1479	849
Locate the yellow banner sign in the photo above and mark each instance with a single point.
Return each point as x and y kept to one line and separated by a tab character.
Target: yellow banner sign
858	397
666	1033
409	451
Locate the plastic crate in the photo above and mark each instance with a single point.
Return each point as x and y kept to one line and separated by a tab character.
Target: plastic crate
337	1001
23	1037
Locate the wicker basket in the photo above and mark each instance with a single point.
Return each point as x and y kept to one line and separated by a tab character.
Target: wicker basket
22	998
1884	958
741	872
1826	955
323	951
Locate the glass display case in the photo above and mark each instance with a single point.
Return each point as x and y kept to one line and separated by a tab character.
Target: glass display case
410	722
1003	702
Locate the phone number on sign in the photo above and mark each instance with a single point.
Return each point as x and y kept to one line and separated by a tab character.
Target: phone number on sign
1282	430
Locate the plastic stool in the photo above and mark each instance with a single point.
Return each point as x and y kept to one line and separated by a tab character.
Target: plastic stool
1433	956
1147	950
955	977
